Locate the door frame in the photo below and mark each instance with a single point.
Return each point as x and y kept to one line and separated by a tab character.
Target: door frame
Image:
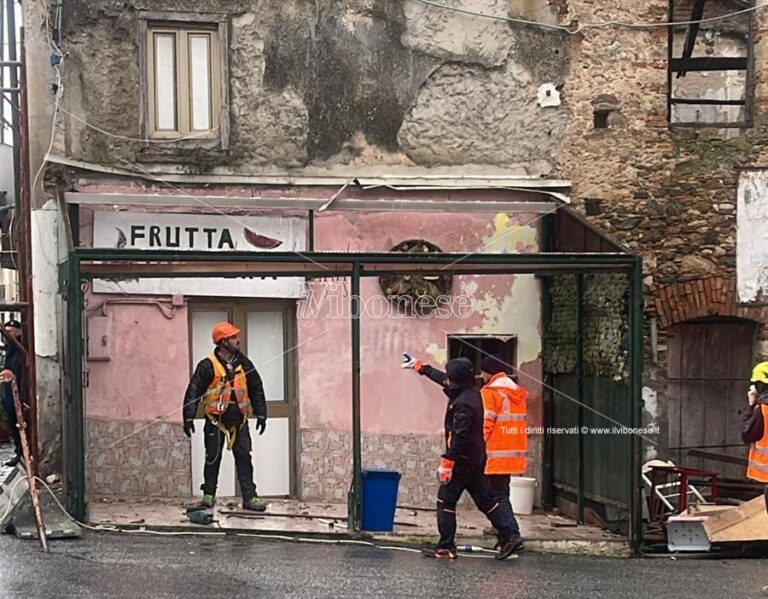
237	310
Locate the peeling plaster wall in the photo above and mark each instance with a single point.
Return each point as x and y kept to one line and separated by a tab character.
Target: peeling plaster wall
324	85
752	249
402	413
44	242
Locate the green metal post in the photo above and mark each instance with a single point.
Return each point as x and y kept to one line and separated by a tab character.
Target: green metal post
354	511
74	434
548	401
636	330
580	389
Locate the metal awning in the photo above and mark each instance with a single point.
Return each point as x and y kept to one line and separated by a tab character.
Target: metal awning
94	263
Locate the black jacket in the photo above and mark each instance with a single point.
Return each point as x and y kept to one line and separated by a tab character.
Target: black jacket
753	427
464	414
203	376
14	361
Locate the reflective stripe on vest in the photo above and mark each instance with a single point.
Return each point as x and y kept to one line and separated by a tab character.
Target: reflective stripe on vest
504	417
758	453
219	393
506	454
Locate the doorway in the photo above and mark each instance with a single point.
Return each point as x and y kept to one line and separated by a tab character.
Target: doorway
709	362
268	332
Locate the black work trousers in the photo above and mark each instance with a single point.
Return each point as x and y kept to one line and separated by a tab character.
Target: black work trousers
10	412
215	445
471	478
498	486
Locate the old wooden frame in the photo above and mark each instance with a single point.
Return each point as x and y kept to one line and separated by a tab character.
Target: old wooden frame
710	64
219	23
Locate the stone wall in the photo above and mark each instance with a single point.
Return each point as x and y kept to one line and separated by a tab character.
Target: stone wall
668	193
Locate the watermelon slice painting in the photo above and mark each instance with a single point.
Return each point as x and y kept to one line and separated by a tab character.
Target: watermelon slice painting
261	241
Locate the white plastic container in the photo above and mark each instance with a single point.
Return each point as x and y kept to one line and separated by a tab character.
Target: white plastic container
521	492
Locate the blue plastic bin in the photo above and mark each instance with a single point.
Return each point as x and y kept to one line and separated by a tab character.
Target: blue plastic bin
379	499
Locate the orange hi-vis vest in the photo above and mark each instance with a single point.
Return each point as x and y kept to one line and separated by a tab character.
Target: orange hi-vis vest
758	452
506	441
219	393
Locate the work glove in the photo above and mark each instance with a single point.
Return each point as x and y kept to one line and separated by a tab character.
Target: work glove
412	363
444	472
189	427
752	395
261	424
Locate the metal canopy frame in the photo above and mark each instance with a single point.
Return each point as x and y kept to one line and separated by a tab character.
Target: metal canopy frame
100	263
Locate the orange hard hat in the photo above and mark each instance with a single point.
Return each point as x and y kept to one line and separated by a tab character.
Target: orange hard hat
224	330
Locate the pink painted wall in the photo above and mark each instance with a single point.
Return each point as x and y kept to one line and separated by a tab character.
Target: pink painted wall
394	400
150	367
149	370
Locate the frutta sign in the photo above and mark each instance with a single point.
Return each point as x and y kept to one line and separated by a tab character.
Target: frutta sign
191	237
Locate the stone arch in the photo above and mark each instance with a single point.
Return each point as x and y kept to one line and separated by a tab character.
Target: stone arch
699	298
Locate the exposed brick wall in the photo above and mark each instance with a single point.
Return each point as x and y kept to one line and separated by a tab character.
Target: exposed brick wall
713	296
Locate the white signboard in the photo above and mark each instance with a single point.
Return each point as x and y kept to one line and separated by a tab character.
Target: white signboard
201	232
752	236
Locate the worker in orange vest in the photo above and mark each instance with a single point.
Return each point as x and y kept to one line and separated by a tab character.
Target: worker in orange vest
504	427
462	466
755	430
232	392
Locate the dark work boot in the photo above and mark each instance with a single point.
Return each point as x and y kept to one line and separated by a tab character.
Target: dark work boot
508	547
439	553
255	504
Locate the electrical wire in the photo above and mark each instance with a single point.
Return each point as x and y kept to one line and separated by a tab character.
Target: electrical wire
222	533
584	26
199	135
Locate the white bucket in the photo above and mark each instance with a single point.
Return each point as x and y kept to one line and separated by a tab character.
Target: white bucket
521	491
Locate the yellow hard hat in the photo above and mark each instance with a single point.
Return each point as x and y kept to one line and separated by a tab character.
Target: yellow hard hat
760	373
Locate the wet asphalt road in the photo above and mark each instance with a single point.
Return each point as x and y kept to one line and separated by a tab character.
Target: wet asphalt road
110	565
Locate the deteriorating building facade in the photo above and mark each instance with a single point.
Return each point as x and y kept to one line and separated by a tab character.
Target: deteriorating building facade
167	110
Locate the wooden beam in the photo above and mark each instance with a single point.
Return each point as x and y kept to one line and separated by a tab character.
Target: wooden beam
713	63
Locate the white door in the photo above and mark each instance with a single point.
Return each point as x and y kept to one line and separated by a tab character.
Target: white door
266	347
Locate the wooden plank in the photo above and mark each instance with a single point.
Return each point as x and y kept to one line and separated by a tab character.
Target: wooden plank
717	457
674	407
714	398
694	350
692	430
748	522
675	352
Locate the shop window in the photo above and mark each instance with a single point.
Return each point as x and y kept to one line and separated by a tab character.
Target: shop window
184	78
710	67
